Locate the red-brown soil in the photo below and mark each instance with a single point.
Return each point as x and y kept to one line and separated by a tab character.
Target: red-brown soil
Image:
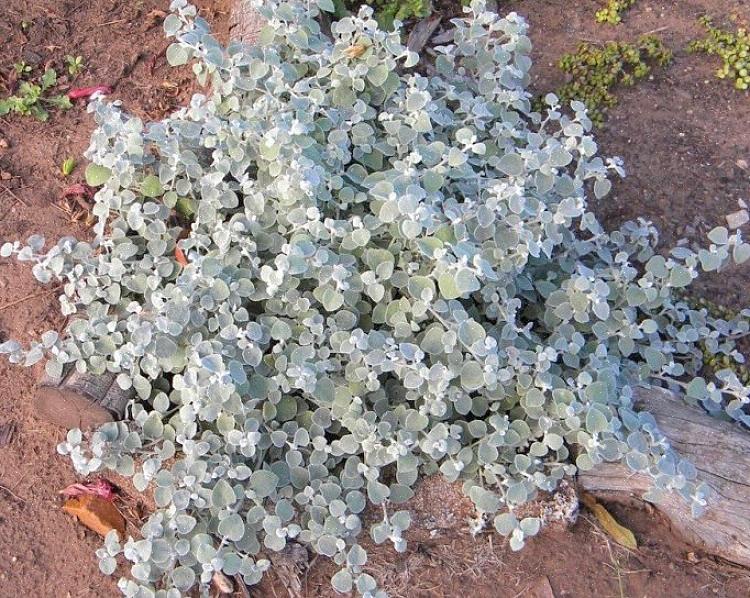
682	135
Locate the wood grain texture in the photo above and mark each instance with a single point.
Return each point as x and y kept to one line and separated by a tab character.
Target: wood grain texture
245	23
721	453
81	400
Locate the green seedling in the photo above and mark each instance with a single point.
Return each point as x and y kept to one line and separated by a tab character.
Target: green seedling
732	47
388	11
21	68
68	166
74	65
596	70
35	98
613	11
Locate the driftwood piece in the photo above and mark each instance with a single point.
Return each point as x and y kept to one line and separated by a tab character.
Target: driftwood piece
81	400
721	453
245	23
422	32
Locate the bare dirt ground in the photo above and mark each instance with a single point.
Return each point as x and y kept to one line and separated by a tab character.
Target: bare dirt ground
682	135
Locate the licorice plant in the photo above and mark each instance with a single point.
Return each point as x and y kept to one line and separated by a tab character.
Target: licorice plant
343	270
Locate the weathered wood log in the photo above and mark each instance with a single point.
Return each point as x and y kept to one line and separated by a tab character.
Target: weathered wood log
81	400
245	23
721	453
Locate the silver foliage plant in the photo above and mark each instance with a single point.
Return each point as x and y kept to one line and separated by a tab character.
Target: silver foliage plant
391	272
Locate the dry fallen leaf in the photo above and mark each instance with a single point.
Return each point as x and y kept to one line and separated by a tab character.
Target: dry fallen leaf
79	190
96	513
355	51
100	487
179	256
620	534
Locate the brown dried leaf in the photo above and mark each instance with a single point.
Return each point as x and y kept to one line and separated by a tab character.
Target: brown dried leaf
355	51
99	487
179	256
620	534
96	514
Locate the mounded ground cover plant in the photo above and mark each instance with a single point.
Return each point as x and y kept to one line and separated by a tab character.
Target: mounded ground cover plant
732	47
386	11
335	275
613	10
595	71
34	96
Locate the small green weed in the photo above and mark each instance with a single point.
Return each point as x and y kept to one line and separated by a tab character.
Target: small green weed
35	98
612	12
68	166
74	65
718	361
595	70
21	68
387	11
732	47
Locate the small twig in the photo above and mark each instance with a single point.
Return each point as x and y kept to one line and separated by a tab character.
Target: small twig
13	494
657	30
241	586
616	567
63	210
18	483
18	199
111	22
22	299
601	42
